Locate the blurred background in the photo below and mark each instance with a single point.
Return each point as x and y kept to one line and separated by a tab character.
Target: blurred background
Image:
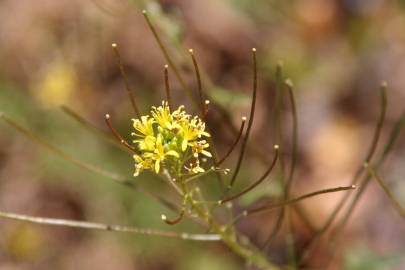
55	53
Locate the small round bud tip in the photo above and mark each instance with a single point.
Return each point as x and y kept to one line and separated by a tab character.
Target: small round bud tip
207	102
144	11
384	84
114	45
107	116
289	83
229	205
163	217
166	66
190	51
244	118
253	49
353	186
276	146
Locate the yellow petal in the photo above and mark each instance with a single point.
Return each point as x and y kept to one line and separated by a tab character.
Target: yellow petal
157	166
184	145
172	153
206	153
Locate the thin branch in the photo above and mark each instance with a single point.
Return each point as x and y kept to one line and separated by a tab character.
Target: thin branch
167	87
250	123
278	135
172	182
210	170
277	105
290	88
303	197
199	85
175	220
107	227
242	126
256	183
93	129
57	151
387	192
168	58
125	78
118	135
290	237
271	207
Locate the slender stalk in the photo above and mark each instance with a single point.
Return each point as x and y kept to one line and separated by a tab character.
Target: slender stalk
126	80
250	123
167	87
272	207
204	112
245	250
93	129
57	151
290	177
256	183
266	208
199	85
289	235
372	172
233	146
277	105
175	220
278	135
377	132
210	170
171	181
107	227
118	135
168	57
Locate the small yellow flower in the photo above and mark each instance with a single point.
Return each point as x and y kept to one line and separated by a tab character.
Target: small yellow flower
160	153
169	139
199	147
141	164
163	116
144	127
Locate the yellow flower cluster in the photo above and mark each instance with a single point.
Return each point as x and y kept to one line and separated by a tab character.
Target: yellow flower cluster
169	139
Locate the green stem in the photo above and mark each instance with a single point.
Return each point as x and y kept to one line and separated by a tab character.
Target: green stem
228	235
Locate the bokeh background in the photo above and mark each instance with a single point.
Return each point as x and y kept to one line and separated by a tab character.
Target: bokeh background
55	53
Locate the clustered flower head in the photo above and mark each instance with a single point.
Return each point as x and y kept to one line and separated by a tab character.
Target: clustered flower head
173	140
